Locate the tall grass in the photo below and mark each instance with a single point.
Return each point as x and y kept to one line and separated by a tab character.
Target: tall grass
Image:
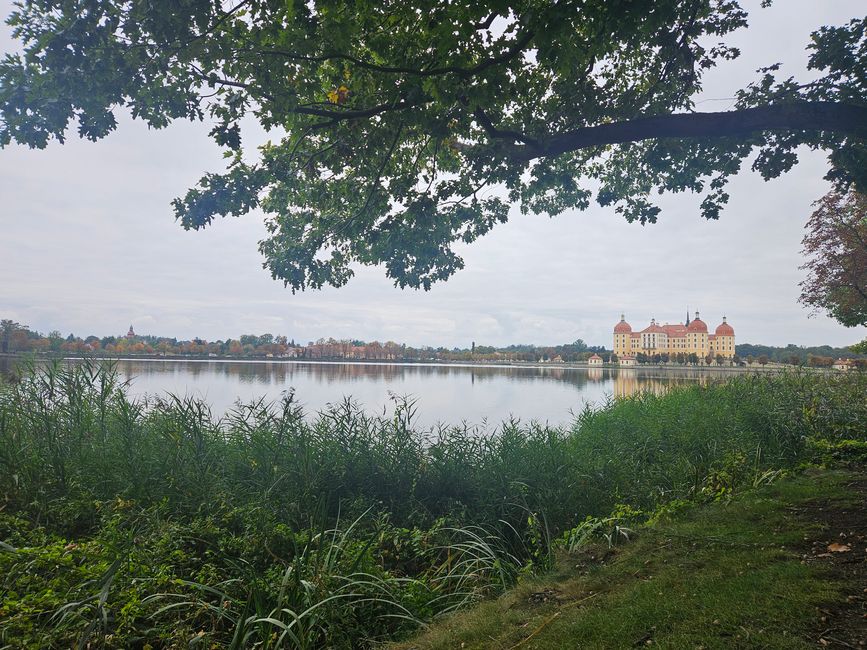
170	525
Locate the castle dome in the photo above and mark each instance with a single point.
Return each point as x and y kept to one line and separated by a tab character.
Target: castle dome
724	329
697	325
622	327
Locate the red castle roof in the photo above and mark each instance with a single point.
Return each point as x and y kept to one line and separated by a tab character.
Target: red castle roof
678	330
697	325
622	327
675	330
653	328
724	329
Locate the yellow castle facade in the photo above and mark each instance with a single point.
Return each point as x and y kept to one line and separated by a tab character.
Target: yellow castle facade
687	338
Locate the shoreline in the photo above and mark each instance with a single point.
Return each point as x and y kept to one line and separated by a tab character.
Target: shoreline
770	367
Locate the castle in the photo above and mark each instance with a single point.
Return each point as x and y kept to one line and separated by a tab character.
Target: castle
689	338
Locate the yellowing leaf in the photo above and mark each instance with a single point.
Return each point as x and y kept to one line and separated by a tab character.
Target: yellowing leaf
338	95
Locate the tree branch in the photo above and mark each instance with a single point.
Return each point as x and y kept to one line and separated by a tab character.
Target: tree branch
486	23
807	116
515	49
513	136
333	116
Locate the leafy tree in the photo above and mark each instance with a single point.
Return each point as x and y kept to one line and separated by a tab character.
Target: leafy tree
578	346
8	328
55	340
397	119
763	360
820	361
836	246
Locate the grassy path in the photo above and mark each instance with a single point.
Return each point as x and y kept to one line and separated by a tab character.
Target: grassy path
782	566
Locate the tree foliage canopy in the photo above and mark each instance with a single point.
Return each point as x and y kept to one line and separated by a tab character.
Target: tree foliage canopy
395	120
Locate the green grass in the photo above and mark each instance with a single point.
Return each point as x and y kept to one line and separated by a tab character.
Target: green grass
728	574
127	522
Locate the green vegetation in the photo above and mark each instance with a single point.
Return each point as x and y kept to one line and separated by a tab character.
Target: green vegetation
126	523
817	355
748	572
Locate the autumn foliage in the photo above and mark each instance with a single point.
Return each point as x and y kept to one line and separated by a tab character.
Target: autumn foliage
836	248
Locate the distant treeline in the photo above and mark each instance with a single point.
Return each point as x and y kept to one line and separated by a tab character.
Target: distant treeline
15	337
821	355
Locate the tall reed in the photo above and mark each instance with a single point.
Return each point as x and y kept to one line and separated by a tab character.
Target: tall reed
163	522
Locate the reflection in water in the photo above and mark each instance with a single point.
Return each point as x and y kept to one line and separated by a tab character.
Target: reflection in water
445	393
630	381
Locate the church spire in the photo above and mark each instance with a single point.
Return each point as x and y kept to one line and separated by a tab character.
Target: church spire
687	315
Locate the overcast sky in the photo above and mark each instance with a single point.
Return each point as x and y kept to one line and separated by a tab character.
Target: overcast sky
88	245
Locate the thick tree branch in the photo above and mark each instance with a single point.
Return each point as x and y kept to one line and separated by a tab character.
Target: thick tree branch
486	23
807	116
501	134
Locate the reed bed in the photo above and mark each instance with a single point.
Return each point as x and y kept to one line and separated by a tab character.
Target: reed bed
130	523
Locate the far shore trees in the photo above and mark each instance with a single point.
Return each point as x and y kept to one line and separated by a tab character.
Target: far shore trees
8	329
405	129
820	361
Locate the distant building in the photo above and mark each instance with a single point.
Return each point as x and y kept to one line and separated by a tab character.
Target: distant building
843	364
131	333
689	338
595	360
627	360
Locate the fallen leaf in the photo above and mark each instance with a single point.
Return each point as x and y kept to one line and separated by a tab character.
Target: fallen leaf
839	548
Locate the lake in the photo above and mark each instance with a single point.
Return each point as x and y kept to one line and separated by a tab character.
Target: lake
452	394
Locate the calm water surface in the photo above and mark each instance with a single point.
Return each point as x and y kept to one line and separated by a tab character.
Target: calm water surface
477	395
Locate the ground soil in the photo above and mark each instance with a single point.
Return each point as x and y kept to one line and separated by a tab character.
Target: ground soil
841	549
